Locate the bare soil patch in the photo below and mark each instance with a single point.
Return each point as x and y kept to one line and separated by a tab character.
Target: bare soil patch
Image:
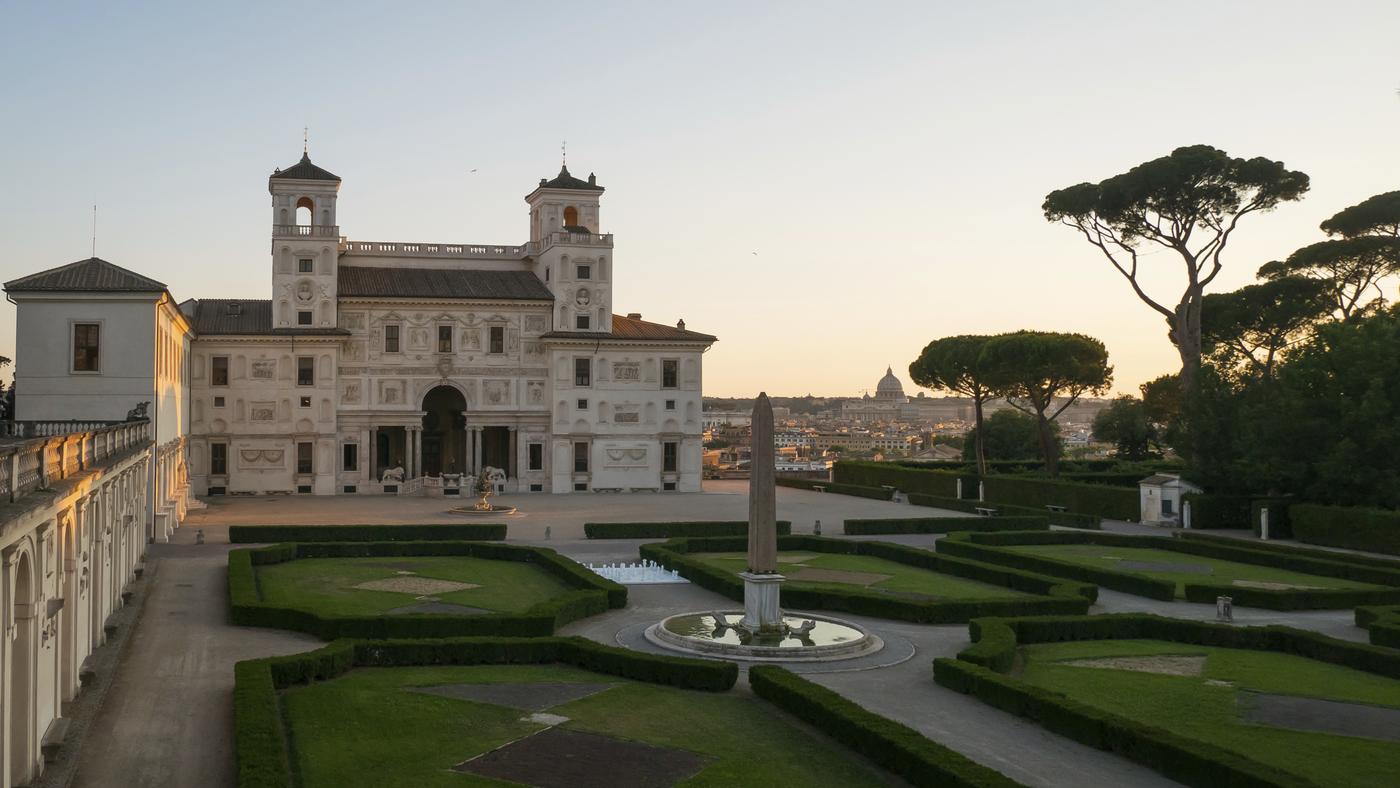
1165	664
815	575
562	758
418	586
526	696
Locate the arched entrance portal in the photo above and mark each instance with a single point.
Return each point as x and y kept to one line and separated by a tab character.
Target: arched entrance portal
21	732
444	432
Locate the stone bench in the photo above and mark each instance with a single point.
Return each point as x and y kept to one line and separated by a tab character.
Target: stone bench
986	511
53	738
1052	507
819	487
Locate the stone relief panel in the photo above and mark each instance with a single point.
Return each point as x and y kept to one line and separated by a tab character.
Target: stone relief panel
623	457
391	392
262	411
627	371
534	323
497	392
353	321
353	351
418	339
534	392
261	459
263	369
629	415
534	352
350	394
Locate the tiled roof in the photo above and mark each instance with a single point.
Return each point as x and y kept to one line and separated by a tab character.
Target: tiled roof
361	281
634	328
243	317
566	181
306	171
92	274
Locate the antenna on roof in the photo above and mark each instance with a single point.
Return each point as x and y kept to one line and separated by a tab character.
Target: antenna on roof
94	229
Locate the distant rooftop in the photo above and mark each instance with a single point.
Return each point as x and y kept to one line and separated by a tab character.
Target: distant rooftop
91	275
306	171
566	181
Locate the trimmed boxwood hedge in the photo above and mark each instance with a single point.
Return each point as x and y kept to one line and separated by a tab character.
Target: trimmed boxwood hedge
896	747
1116	503
1372	530
988	547
1055	596
1218	511
979	670
261	740
426	532
1066	519
878	493
1358	559
1382	623
673	530
943	525
910	480
592	595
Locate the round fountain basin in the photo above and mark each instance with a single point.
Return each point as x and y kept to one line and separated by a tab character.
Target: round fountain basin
472	511
830	639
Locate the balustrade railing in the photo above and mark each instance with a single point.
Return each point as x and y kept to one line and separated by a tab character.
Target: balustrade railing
306	230
48	451
460	251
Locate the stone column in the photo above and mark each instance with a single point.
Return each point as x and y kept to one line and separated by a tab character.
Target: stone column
513	461
761	582
373	458
476	450
416	454
366	444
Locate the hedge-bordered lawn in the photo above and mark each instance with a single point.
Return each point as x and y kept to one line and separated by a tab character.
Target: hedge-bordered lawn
903	579
1207	707
327	585
1222	571
367	728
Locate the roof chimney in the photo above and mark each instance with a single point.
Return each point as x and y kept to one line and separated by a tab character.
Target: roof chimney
634	315
680	324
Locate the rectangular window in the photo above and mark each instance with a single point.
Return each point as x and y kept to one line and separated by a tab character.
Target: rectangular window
303	318
583	372
218	459
585	272
306	371
351	457
581	457
536	457
497	340
85	347
444	339
218	374
304	265
581	322
670	373
391	339
304	458
670	404
218	402
306	402
582	404
1167	506
668	456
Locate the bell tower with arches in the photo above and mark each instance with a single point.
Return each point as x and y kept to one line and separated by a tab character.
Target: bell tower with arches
305	245
571	255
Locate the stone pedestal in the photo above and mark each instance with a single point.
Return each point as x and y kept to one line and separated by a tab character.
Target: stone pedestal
761	609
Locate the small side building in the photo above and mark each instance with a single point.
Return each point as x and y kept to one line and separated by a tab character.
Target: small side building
1160	498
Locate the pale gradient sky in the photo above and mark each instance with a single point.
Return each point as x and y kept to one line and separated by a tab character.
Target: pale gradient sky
887	161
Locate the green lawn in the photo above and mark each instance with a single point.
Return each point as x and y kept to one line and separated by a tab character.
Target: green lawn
904	580
364	728
1188	706
1222	572
327	585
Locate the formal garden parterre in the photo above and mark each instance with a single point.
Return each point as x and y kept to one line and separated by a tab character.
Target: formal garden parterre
1196	570
1205	704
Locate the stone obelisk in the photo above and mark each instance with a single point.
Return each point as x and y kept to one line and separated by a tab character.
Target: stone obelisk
761	581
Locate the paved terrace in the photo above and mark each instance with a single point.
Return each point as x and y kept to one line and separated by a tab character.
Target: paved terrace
168	719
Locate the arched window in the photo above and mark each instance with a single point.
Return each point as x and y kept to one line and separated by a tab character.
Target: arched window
305	211
571	216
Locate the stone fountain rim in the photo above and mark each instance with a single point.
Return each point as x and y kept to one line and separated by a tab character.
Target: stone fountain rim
871	643
467	511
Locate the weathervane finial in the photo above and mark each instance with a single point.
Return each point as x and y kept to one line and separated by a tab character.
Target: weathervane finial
564	153
305	139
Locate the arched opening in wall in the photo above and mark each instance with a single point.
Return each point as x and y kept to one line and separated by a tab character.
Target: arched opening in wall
21	722
305	211
444	431
570	217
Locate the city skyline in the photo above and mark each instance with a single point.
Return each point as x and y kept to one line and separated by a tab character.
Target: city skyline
836	188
